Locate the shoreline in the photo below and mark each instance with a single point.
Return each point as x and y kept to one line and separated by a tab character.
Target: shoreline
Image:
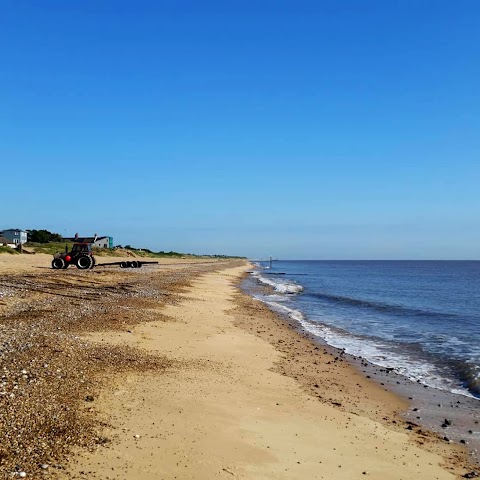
208	406
395	406
454	418
201	379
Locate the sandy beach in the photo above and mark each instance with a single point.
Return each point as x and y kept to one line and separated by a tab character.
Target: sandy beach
172	372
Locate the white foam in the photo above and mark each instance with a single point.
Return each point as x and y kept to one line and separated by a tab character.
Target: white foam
458	391
378	354
281	286
375	353
295	314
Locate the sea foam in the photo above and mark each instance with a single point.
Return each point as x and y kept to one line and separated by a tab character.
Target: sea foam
387	328
282	286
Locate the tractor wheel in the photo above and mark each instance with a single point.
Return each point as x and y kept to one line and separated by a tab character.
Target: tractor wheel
84	262
58	263
93	262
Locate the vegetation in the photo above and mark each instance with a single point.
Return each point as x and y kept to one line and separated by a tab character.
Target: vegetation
145	252
118	251
43	236
50	248
141	252
10	250
44	241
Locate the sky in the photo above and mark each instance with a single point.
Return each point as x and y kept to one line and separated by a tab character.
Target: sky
297	129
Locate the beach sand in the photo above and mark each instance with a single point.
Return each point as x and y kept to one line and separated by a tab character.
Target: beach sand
196	380
232	406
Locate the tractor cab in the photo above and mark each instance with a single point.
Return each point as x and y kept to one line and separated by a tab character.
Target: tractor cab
82	248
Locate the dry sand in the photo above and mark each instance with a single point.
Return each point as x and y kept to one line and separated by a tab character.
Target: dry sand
244	396
49	375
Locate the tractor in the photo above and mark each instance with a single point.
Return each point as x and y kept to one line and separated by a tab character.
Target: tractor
81	256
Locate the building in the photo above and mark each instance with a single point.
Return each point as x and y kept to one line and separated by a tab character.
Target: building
96	241
103	242
4	242
14	236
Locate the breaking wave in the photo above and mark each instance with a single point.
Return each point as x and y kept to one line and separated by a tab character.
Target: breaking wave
281	286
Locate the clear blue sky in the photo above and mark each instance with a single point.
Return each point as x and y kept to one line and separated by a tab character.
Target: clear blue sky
300	129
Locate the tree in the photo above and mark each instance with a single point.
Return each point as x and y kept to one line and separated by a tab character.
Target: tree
43	236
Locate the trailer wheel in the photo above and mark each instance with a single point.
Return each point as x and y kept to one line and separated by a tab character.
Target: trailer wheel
134	264
58	263
84	262
123	264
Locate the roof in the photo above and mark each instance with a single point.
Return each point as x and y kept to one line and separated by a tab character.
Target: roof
85	239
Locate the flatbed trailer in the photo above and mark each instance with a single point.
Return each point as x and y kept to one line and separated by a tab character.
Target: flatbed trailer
126	264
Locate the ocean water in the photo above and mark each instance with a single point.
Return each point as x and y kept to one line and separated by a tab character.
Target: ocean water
421	318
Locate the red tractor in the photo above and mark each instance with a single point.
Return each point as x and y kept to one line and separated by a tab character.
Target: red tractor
81	256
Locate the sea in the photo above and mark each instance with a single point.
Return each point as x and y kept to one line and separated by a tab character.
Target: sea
420	318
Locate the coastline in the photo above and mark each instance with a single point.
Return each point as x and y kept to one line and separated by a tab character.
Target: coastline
239	406
453	417
235	391
355	386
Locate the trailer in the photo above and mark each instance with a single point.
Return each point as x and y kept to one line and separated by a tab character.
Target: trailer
128	264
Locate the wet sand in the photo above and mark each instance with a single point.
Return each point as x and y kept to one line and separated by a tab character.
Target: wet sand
172	372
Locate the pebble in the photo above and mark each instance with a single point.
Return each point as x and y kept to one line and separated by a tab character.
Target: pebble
22	474
446	423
